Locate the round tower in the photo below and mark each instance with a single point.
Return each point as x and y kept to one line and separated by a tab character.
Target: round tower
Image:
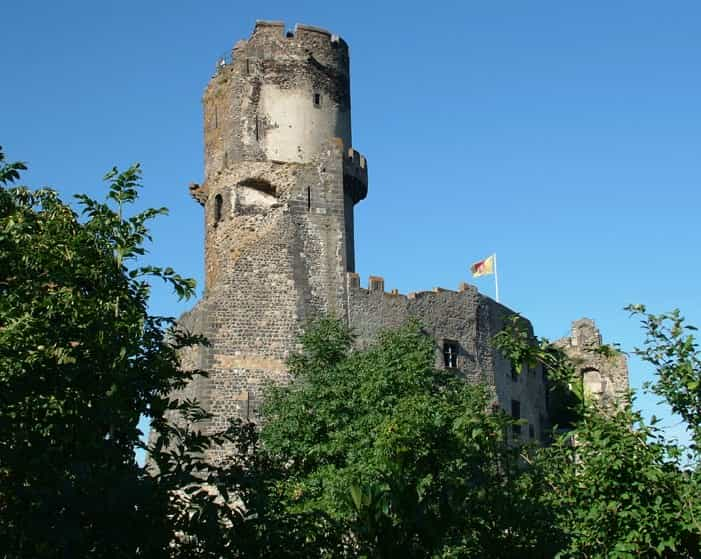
279	98
281	181
270	111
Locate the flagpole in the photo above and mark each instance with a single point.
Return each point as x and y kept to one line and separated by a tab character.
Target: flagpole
496	276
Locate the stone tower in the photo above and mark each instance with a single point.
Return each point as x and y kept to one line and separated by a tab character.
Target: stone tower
281	180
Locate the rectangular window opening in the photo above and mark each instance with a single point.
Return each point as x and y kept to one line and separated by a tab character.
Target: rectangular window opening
309	198
317	99
451	351
541	428
516	414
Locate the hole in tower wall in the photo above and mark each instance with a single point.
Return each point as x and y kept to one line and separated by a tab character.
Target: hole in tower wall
317	99
309	198
261	185
255	196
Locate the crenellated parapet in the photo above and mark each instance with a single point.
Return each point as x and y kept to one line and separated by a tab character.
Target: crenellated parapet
272	40
376	286
270	44
355	175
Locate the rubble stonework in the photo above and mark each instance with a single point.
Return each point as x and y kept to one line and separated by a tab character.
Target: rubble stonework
281	183
604	374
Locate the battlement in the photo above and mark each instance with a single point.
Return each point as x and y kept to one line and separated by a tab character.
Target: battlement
270	39
267	25
355	175
356	160
301	32
376	285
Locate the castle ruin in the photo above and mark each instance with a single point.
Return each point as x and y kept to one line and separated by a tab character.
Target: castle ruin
280	186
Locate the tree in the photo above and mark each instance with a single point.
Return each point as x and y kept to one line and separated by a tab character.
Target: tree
368	452
402	459
81	359
517	344
616	487
619	491
671	348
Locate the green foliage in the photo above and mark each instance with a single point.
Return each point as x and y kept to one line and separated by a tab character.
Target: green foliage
619	491
517	344
10	172
367	453
671	347
402	459
81	359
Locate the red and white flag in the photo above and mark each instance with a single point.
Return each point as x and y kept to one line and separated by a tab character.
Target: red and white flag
483	267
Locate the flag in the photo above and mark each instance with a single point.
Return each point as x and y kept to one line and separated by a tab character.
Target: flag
483	267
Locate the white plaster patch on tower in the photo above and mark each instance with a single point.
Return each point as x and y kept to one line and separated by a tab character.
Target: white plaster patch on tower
296	127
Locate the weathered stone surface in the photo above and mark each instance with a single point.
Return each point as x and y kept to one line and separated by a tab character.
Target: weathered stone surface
603	374
464	318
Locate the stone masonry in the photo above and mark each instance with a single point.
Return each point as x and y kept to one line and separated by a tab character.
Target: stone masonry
280	185
604	375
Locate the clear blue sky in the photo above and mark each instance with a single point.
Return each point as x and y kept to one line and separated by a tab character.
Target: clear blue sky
564	136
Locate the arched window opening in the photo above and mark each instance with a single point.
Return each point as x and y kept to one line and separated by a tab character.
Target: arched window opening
593	381
218	203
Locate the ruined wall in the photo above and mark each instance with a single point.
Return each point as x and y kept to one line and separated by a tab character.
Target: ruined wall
603	374
463	317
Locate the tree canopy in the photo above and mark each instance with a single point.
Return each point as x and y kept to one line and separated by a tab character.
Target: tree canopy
409	460
81	359
367	452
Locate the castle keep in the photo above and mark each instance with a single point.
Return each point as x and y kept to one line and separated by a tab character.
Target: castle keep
282	179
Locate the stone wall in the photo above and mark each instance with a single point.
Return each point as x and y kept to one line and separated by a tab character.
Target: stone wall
463	318
603	374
